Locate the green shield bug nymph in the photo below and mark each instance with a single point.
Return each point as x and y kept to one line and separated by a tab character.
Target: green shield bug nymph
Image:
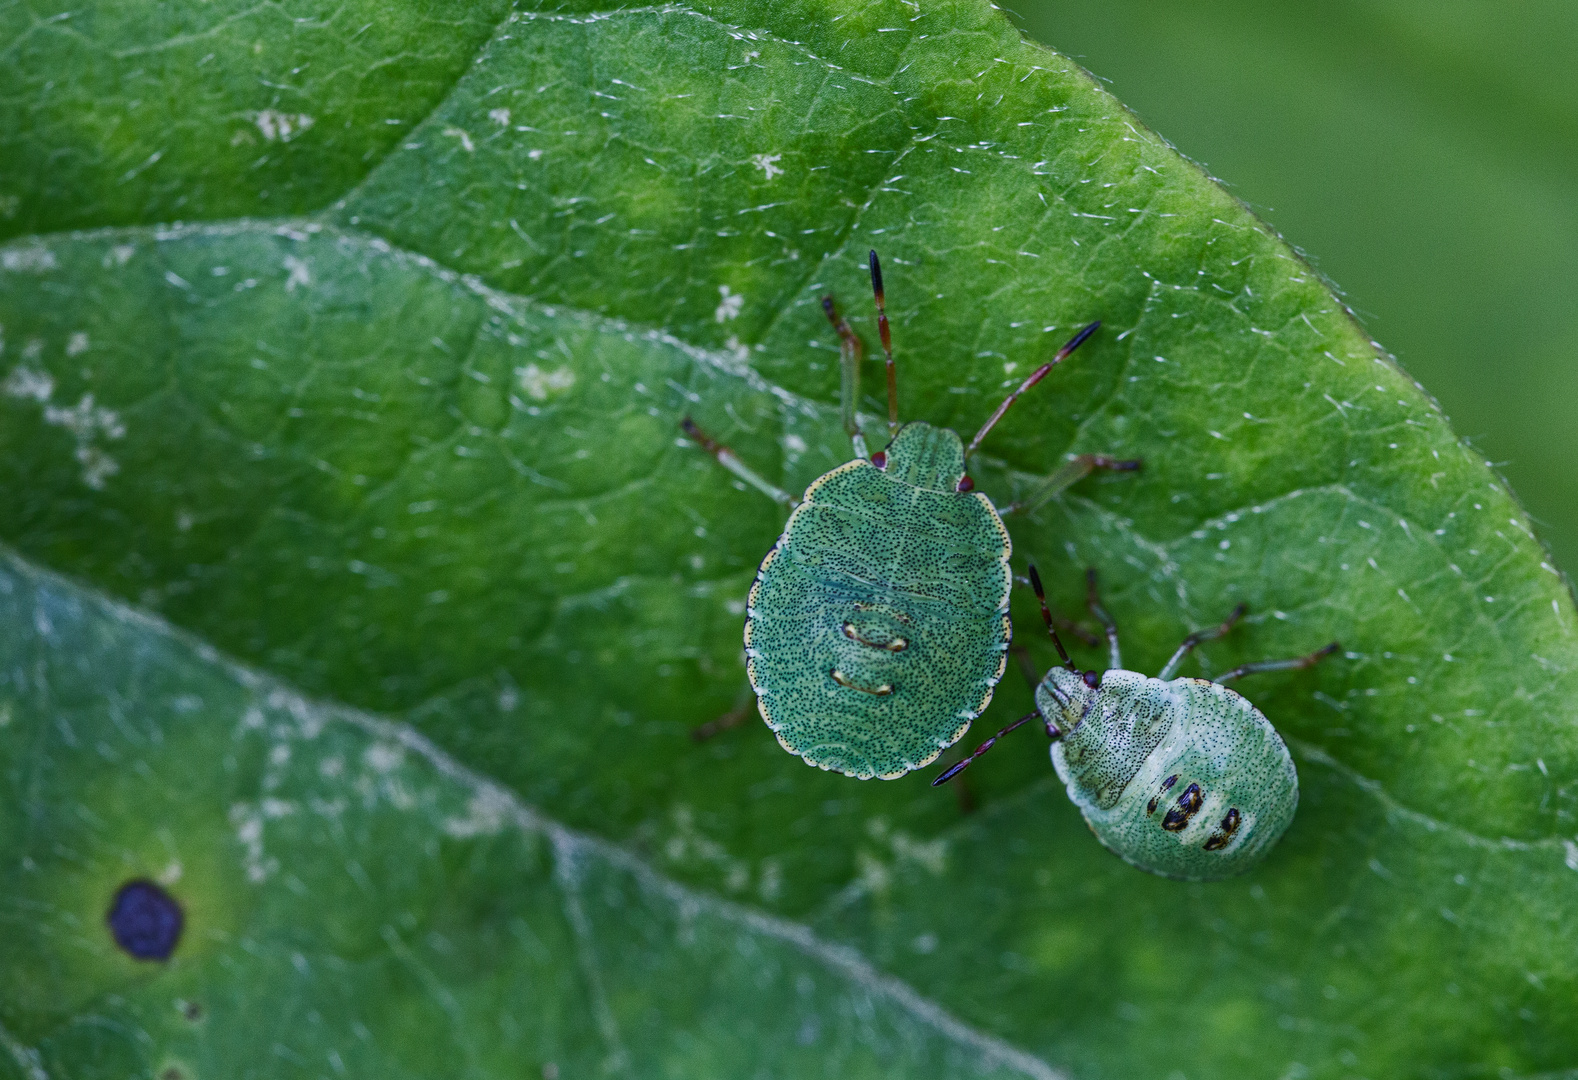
1181	777
878	625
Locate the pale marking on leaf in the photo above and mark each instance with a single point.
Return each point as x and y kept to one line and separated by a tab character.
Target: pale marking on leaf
26	1058
729	306
276	126
768	163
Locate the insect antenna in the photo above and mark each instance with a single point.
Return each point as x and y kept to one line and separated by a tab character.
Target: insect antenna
1046	614
959	766
1035	376
887	344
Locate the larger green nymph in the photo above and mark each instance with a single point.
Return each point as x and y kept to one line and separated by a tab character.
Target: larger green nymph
878	625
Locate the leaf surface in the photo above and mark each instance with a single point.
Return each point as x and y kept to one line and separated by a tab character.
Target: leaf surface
393	419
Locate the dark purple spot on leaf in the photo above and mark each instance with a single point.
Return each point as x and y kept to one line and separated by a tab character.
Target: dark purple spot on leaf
145	920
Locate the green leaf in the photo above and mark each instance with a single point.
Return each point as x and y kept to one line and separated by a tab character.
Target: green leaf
359	903
393	419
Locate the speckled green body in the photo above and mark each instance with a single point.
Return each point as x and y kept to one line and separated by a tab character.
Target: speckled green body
878	624
1184	778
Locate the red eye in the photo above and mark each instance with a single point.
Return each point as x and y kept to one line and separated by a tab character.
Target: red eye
965	484
880	459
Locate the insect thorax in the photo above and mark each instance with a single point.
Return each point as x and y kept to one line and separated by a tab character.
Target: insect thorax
1108	732
926	457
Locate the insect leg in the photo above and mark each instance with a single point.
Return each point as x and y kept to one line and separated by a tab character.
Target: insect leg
1035	376
1280	665
959	766
730	461
1198	637
850	354
1093	602
1065	476
733	718
887	344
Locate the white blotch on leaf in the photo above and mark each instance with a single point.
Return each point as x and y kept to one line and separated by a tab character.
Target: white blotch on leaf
465	139
500	117
729	306
24	382
77	345
538	383
34	258
768	163
300	273
383	757
247	820
86	421
486	814
277	126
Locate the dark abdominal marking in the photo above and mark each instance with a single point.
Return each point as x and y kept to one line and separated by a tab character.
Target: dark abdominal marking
1150	807
843	680
1228	827
1177	818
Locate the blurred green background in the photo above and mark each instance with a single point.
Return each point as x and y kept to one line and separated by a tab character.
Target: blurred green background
1423	153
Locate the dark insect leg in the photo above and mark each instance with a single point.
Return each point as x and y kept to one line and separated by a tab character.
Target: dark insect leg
1065	476
1046	615
733	718
1093	602
959	766
887	343
1199	636
1280	665
850	353
1035	376
730	461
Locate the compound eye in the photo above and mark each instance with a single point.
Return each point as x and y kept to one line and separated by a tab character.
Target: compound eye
964	484
1092	679
880	459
